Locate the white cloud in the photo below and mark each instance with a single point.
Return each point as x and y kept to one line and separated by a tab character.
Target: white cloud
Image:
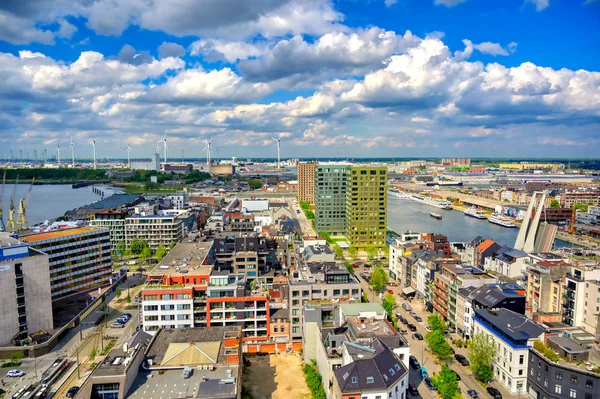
389	3
539	4
166	50
17	30
66	29
230	51
491	48
448	3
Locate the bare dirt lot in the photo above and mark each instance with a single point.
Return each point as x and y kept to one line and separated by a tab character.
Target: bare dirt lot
277	377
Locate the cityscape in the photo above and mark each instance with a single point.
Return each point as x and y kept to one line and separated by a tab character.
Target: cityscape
322	199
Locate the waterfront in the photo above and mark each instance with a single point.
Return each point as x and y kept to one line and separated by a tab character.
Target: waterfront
48	201
409	215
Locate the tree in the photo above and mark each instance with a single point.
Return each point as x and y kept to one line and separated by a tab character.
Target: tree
172	244
388	304
146	253
352	251
554	204
120	248
481	356
137	246
372	251
338	251
379	279
446	384
160	253
436	323
436	341
254	184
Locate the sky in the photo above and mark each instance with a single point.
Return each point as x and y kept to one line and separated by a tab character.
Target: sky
332	78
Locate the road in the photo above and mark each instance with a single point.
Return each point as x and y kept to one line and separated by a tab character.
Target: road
418	348
305	224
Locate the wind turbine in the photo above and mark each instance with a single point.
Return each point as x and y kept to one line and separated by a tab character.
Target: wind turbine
278	140
94	146
164	141
207	148
58	153
72	154
128	148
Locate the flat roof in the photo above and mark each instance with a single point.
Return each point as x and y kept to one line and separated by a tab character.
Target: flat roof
49	235
185	258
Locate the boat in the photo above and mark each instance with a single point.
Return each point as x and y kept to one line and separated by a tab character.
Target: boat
435	215
429	201
501	220
475	213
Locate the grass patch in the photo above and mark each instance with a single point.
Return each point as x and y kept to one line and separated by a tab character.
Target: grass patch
10	364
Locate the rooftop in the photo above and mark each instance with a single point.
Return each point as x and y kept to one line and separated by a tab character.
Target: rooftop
114	201
511	324
367	328
118	359
567	344
188	258
49	235
354	309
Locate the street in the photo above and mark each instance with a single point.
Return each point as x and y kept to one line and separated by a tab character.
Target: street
418	348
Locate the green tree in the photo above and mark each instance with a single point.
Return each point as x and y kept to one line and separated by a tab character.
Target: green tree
138	246
255	184
120	248
160	253
146	254
372	251
172	244
388	304
481	355
436	323
436	341
379	279
446	384
338	251
349	267
352	251
554	204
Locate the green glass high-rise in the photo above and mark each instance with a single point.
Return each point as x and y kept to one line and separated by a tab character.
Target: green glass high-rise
330	198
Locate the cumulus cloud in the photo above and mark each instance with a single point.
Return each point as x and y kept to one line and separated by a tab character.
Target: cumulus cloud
539	4
223	50
166	50
491	48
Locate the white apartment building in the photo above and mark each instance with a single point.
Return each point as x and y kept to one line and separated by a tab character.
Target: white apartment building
156	230
216	222
508	262
581	303
513	334
167	311
178	200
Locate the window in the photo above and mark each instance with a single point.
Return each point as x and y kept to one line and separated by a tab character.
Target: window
354	380
391	371
588	396
521	359
275	329
572	393
589	383
558	388
573	379
370	380
558	375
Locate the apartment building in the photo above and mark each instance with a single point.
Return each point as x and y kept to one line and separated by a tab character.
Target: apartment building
507	261
446	284
580	197
330	198
366	206
545	287
280	325
79	258
156	230
319	281
114	221
397	261
306	182
513	334
25	300
581	299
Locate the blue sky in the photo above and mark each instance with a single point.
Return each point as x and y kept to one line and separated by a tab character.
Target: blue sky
351	78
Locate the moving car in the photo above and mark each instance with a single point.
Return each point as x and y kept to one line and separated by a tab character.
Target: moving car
418	336
429	384
472	394
462	360
413	390
15	373
414	363
494	393
72	392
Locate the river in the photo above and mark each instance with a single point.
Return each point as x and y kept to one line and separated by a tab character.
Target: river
48	201
410	215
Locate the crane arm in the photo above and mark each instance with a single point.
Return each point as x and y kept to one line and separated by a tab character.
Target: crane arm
2	189
14	194
28	196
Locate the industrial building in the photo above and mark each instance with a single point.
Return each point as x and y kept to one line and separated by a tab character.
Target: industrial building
25	300
79	258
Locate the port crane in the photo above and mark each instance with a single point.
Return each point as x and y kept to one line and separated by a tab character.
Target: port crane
2	225
11	225
22	222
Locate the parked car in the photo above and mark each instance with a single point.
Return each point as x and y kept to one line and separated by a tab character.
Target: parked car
462	360
429	384
354	266
72	392
390	292
418	318
414	363
418	336
116	324
472	394
428	329
494	393
406	306
413	314
15	373
413	390
128	315
457	375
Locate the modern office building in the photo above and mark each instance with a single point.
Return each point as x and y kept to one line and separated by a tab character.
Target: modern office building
366	206
330	198
114	221
306	182
25	301
79	258
156	230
